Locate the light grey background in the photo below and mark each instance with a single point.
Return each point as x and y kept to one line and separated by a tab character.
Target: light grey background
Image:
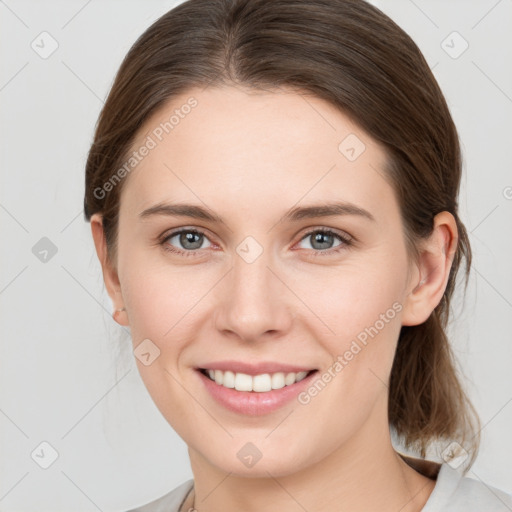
63	380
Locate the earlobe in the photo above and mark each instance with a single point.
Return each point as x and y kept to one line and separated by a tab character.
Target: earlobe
110	276
433	271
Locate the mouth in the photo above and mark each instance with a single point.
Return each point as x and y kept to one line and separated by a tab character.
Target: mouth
257	394
259	383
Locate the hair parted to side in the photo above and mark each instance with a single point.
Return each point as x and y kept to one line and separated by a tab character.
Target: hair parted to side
350	54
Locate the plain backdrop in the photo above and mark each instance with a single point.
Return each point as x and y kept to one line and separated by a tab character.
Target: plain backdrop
70	394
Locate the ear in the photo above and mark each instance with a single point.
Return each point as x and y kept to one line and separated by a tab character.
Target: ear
110	276
429	280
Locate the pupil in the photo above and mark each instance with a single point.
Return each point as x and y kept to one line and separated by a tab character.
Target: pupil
320	237
189	238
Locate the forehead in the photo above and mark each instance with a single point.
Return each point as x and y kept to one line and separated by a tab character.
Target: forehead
235	146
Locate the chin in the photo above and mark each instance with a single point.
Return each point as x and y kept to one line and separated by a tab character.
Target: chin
247	459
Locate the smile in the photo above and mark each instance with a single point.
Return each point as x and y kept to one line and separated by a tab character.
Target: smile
258	383
256	394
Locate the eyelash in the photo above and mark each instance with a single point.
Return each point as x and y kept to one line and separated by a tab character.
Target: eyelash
346	242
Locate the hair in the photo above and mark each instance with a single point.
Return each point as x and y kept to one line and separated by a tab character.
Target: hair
350	54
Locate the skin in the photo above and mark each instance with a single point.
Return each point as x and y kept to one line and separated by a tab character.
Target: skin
249	157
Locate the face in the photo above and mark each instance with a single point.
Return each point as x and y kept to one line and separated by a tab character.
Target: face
268	282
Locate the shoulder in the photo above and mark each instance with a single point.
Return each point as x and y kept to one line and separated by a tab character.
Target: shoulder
169	502
457	493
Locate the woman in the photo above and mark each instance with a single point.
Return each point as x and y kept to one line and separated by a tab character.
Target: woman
272	190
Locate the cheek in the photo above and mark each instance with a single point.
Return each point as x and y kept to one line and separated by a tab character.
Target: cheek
352	297
161	296
360	311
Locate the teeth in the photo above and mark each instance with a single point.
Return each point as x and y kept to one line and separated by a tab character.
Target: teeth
259	383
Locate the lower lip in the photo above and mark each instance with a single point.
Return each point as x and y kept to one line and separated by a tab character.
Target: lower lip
253	403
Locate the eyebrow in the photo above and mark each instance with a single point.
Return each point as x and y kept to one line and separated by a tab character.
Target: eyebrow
293	215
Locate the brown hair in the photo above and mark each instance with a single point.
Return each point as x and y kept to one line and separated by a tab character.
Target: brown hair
350	54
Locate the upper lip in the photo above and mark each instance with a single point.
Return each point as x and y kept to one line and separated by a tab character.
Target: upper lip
254	368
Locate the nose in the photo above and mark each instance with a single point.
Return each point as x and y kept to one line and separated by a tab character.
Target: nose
254	302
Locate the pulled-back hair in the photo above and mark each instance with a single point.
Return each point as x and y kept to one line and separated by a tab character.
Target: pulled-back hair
350	54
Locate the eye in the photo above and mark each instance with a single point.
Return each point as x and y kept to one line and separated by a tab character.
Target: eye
321	240
190	240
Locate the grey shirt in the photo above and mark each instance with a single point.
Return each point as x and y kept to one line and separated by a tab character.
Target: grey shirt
452	493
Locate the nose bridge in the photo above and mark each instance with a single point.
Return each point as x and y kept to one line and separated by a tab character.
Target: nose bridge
251	277
253	302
